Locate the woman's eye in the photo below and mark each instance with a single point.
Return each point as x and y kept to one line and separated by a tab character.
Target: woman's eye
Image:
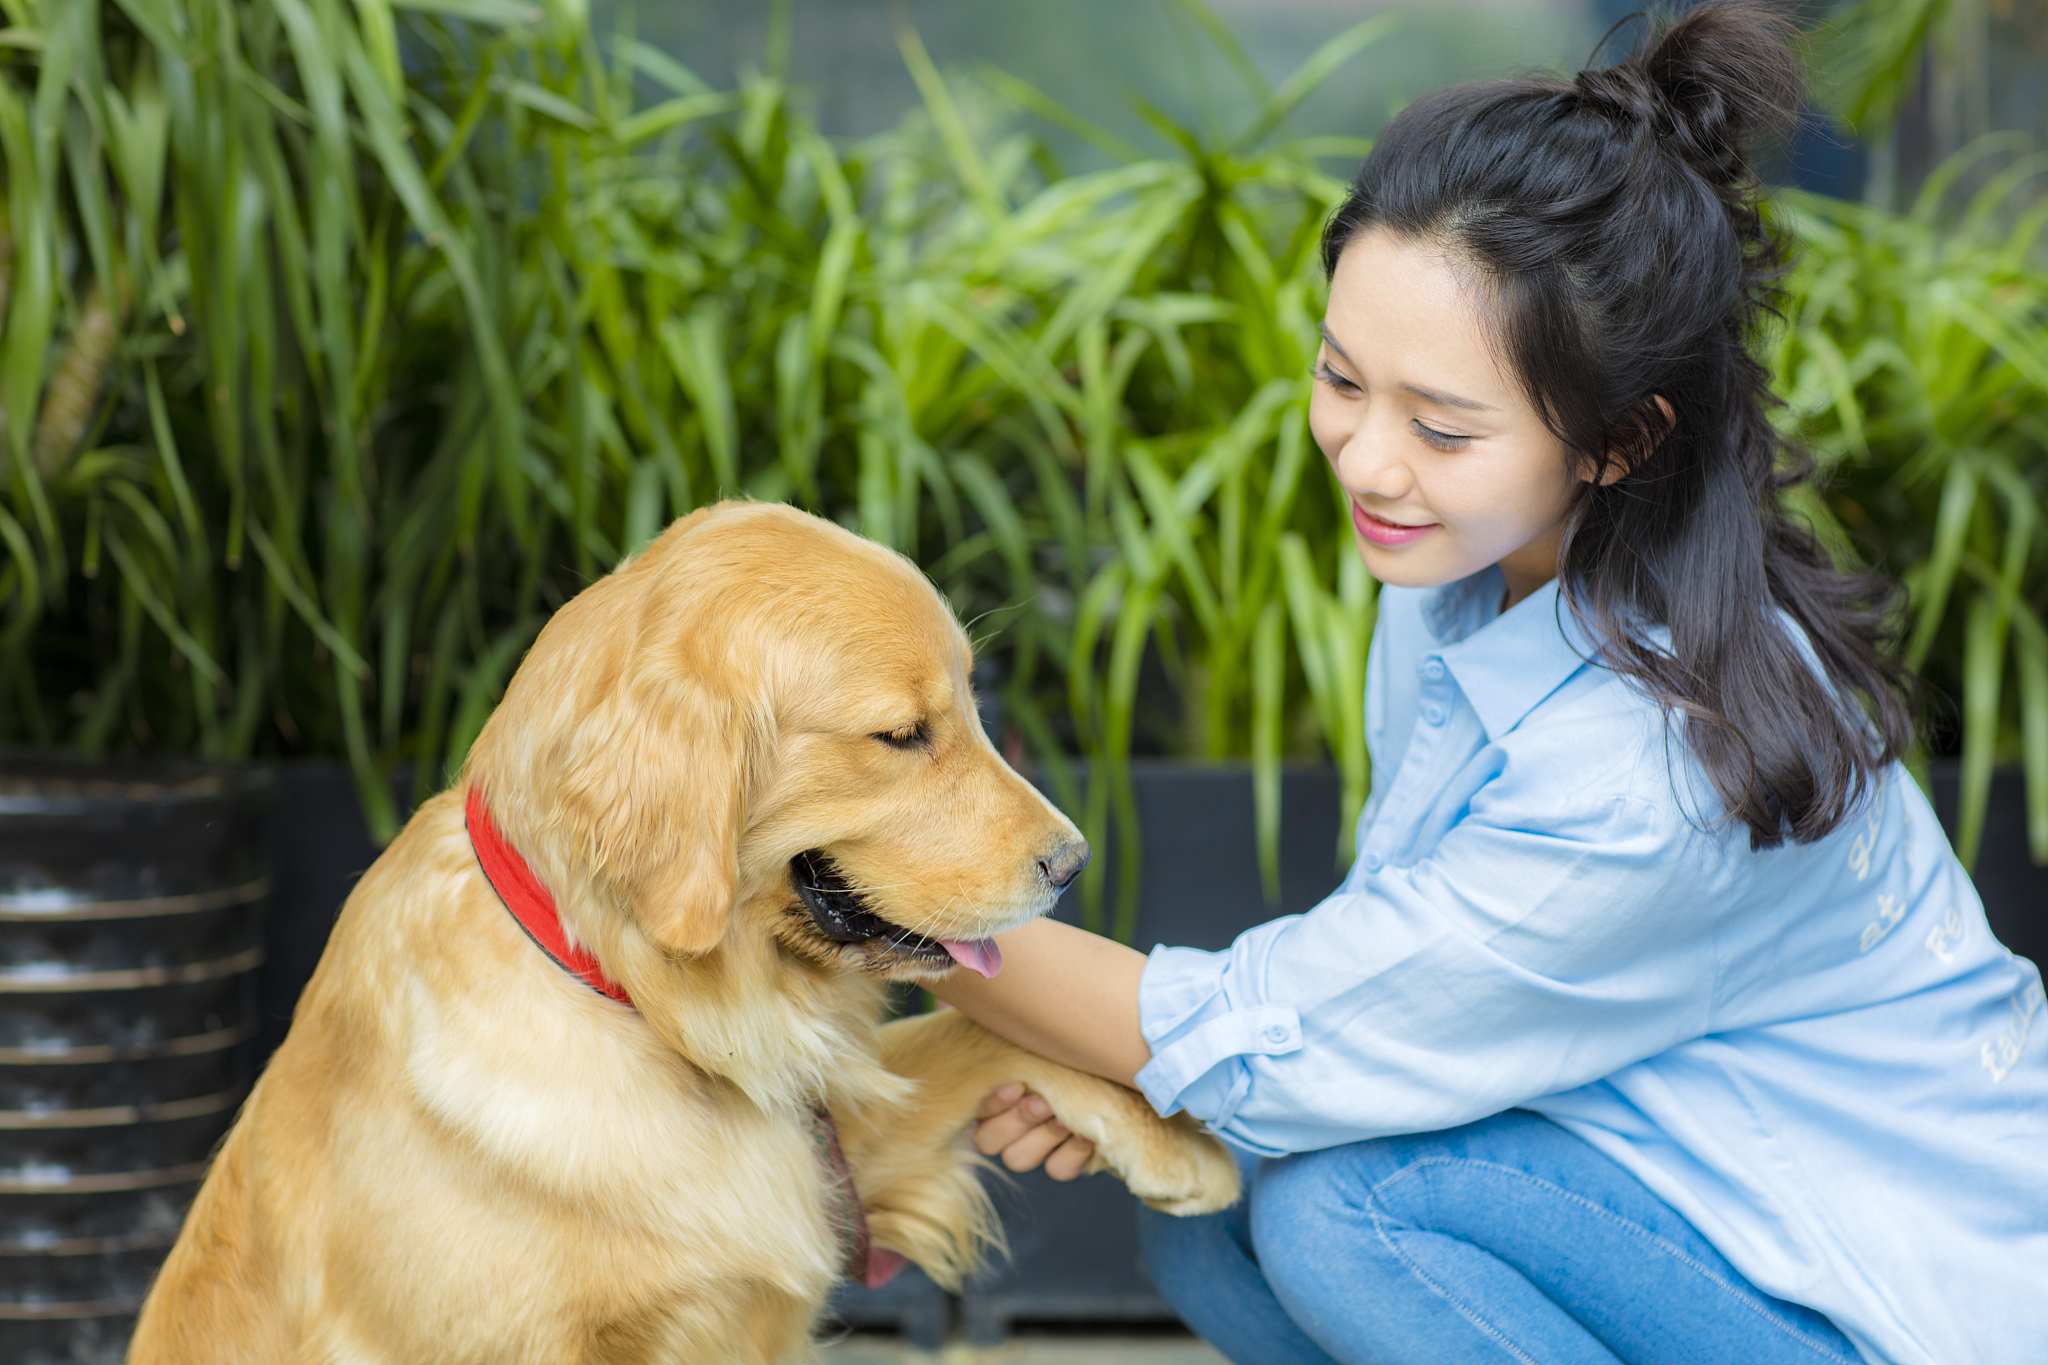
1440	440
1335	380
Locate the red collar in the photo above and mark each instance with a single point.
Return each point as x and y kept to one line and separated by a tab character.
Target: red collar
530	902
534	909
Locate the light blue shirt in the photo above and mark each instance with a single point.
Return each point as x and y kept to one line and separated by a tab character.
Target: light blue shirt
1817	1053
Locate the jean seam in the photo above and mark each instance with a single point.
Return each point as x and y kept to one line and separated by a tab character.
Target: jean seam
1678	1253
1471	1315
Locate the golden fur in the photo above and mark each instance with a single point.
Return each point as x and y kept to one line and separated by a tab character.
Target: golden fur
461	1153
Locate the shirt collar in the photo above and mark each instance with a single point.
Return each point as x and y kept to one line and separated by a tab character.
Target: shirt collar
1506	662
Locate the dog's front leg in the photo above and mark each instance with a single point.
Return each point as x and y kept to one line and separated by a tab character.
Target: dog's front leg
914	1164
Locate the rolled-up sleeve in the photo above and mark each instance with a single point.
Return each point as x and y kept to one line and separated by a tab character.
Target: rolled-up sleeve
1522	957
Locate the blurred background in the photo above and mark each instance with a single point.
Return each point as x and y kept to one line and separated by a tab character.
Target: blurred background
345	339
1097	58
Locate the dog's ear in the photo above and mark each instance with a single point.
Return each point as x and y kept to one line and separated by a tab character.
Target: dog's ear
623	749
655	793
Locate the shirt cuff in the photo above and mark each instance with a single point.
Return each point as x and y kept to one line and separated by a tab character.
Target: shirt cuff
1199	1040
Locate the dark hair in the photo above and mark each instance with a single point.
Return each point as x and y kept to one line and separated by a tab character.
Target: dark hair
1611	223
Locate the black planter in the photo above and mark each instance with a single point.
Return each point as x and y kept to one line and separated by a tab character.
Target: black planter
910	1305
131	898
320	848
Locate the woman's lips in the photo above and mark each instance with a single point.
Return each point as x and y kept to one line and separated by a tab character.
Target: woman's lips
1380	531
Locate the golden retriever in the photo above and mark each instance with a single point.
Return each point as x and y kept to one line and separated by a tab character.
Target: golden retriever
748	769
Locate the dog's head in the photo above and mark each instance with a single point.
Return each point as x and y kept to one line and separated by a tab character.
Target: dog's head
764	718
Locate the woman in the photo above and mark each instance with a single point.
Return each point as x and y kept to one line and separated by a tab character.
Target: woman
1656	1021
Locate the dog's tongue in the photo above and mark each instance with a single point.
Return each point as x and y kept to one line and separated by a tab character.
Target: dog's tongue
975	954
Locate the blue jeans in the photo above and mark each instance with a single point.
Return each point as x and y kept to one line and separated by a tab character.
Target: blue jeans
1505	1240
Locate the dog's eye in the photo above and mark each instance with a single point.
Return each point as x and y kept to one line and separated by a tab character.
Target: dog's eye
903	736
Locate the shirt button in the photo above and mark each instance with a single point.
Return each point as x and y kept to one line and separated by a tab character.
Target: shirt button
1276	1034
1433	714
1373	862
1432	668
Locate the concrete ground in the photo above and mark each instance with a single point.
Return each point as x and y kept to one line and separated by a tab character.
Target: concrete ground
1028	1350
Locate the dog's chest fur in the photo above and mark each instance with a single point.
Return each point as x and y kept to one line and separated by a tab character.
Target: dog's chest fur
573	1143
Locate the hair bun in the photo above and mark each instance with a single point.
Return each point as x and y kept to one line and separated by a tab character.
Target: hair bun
1713	83
1625	91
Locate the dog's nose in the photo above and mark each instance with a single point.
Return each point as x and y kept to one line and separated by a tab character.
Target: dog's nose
1064	863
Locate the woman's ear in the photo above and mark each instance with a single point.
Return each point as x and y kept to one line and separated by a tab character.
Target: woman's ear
1636	437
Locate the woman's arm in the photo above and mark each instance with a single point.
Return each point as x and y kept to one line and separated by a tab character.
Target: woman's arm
1064	993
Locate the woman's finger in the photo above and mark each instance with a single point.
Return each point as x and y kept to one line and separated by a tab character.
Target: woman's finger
1070	1158
995	1133
1030	1151
999	1099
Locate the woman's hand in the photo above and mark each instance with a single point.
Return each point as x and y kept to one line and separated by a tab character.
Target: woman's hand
1020	1126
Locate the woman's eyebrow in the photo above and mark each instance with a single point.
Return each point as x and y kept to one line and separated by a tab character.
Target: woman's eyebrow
1441	399
1446	400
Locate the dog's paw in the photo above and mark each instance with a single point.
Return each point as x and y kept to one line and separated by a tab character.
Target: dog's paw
1171	1164
1179	1170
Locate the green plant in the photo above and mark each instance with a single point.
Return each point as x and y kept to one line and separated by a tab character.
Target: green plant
1182	346
1870	54
1915	368
350	339
239	193
344	341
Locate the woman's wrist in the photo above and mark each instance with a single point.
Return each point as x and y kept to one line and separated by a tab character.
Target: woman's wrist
1063	993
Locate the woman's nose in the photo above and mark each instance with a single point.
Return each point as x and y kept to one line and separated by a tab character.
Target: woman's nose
1369	464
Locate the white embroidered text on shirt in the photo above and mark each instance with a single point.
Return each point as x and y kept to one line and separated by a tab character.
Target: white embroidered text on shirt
2001	1053
1865	843
1943	937
1890	910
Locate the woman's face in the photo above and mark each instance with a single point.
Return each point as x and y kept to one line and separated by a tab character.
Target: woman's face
1448	466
